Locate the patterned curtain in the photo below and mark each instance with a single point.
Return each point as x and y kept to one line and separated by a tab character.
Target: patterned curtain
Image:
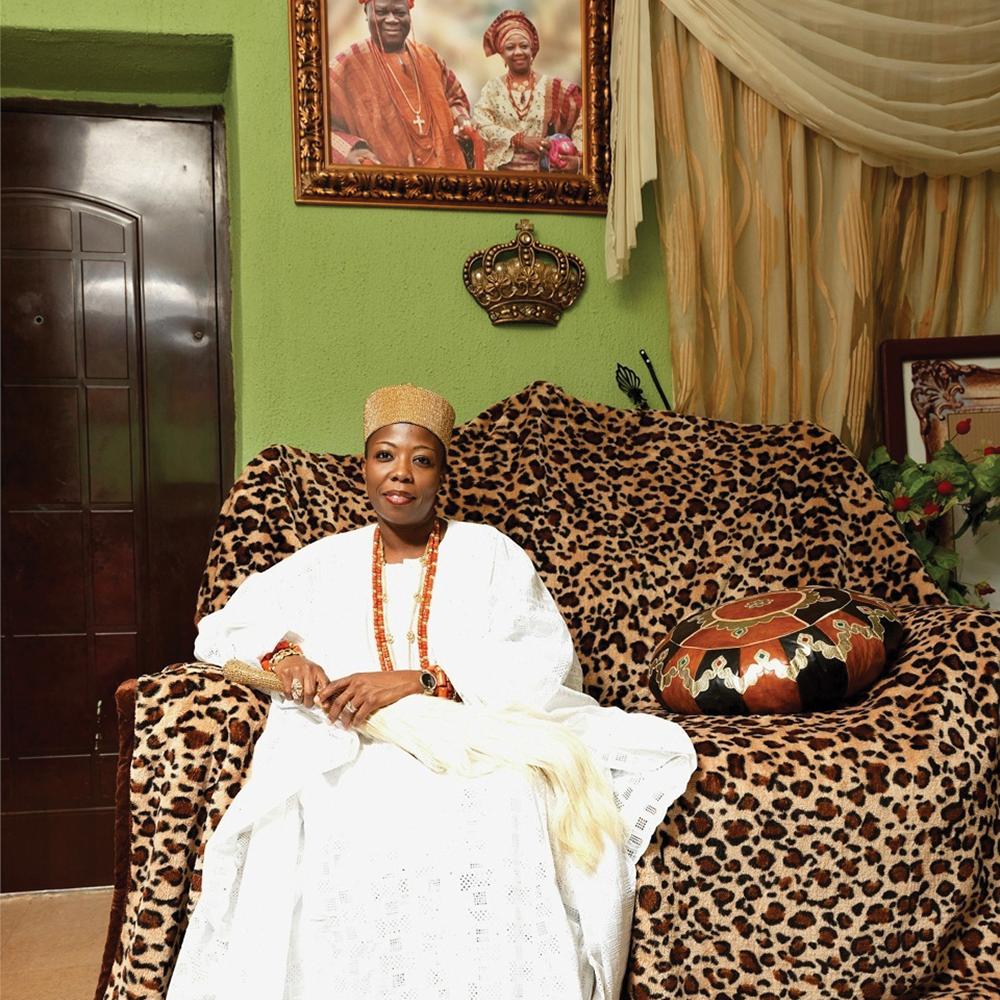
790	259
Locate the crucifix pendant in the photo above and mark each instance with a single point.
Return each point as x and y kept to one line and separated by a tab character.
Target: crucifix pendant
419	122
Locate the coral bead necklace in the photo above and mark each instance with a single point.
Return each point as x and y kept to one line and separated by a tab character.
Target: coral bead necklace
421	610
525	94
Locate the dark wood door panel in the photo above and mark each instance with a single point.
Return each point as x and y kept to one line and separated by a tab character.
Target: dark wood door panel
116	659
49	783
115	461
112	542
102	234
41	445
109	438
43	724
58	850
105	318
35	226
43	565
38	316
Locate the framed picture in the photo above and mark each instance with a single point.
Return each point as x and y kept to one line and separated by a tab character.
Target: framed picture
928	385
463	104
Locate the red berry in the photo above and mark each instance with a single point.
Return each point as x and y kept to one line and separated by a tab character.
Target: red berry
991	449
931	508
945	488
900	503
963	426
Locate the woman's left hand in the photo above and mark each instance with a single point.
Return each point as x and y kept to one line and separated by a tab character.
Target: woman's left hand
353	698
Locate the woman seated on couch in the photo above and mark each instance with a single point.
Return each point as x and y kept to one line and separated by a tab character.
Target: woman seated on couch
347	867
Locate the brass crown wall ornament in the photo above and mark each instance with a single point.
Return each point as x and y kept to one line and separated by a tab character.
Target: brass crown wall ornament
524	281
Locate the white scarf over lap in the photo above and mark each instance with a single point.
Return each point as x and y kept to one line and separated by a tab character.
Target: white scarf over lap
347	868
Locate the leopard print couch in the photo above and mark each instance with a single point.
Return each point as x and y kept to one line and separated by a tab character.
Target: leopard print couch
852	853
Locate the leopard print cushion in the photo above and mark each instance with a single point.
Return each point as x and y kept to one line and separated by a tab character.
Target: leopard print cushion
850	854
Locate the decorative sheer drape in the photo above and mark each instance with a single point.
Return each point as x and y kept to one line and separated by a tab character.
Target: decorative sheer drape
633	134
790	255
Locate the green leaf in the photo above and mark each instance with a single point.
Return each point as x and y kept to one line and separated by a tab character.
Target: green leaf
940	575
917	484
955	472
922	545
879	458
986	475
975	501
945	557
949	453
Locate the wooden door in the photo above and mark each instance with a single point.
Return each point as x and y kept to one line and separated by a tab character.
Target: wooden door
117	424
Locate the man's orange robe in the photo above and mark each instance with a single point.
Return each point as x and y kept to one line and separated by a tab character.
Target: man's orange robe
368	109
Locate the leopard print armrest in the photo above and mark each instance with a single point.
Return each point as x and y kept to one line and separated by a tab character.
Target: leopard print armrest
194	737
846	853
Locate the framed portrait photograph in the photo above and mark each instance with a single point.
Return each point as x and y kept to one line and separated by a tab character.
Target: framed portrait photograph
464	104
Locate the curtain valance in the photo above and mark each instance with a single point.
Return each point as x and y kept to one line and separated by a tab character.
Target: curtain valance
909	84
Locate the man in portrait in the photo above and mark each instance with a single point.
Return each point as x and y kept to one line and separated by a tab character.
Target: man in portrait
393	101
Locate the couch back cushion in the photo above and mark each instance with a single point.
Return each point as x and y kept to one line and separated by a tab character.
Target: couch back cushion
635	519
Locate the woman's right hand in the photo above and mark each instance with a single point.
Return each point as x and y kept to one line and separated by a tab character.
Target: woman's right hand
312	675
536	144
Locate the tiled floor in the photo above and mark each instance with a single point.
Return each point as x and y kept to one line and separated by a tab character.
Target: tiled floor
52	944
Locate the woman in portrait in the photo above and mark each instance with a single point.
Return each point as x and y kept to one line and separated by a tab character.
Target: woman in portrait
519	113
348	867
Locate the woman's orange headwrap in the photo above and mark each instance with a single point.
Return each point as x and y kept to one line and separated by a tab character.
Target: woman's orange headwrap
503	24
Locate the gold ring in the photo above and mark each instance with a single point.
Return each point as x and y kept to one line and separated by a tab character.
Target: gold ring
297	689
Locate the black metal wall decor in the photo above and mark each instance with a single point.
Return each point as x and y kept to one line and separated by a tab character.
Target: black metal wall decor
652	375
629	383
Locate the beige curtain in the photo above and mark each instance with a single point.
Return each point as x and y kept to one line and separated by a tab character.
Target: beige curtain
789	259
912	84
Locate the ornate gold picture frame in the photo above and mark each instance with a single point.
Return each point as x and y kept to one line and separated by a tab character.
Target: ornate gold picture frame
929	384
345	53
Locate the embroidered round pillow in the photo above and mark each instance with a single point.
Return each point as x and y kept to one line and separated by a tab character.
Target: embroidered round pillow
786	651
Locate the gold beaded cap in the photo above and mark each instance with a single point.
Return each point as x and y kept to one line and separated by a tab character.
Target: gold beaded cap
409	404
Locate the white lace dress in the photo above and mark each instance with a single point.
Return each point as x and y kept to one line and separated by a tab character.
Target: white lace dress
347	869
498	121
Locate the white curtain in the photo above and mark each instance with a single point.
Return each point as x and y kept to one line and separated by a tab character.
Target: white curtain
633	130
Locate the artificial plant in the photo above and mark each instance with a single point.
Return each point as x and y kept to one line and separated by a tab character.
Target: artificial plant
940	500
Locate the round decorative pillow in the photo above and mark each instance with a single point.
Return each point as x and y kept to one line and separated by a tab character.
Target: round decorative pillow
787	651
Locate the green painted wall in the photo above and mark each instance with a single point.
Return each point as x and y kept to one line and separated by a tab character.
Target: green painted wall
330	302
